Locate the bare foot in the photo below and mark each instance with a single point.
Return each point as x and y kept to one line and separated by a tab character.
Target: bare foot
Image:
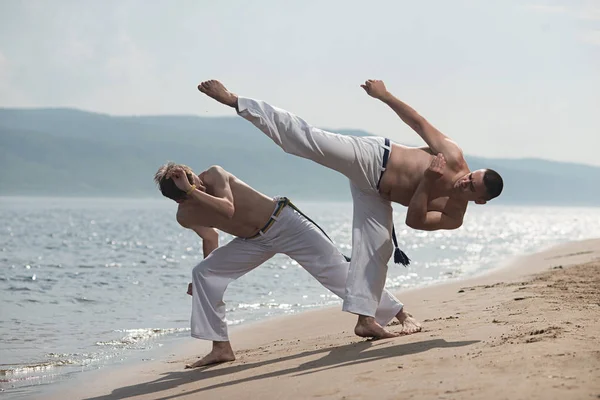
221	352
368	327
217	91
409	324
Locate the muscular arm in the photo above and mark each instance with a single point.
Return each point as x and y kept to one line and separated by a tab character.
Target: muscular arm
419	217
436	140
221	201
210	239
210	236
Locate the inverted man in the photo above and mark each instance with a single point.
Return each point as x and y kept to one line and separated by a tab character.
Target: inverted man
434	182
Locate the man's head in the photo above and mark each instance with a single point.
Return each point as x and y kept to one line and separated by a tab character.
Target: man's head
480	186
167	186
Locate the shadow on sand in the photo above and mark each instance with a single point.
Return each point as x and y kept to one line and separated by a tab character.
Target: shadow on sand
336	357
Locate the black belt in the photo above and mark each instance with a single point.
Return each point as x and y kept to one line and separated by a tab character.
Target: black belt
280	206
284	201
399	256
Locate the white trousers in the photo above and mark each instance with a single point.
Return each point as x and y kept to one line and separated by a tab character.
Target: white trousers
291	234
358	158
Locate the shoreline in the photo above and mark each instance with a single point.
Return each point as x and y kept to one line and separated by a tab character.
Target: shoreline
281	349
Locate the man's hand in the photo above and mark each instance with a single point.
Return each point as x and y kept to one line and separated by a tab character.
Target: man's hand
189	289
375	88
436	168
180	178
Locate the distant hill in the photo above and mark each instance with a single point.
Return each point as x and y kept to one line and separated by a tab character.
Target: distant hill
67	152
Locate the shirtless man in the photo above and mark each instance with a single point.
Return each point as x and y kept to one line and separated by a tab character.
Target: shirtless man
215	199
434	182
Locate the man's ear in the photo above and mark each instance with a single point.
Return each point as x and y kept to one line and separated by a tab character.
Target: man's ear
480	201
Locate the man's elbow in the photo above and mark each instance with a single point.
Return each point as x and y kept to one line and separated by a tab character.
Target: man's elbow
421	225
414	223
229	211
454	224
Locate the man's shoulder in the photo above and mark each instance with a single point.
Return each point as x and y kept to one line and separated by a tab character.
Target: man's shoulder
215	169
455	158
214	173
182	216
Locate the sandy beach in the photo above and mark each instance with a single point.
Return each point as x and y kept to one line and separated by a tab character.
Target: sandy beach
530	330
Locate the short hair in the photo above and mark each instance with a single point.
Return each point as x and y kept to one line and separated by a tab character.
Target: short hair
167	185
493	183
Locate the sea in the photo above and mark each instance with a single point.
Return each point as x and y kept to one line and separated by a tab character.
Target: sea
88	283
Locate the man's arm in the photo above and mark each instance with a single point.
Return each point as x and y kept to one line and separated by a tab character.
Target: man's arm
210	241
210	238
436	140
418	215
221	201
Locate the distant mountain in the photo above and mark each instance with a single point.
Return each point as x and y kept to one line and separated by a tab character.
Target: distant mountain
67	152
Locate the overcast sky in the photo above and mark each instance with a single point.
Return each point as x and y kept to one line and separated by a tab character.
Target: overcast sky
503	78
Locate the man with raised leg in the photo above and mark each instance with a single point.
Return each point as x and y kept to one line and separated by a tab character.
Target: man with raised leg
433	181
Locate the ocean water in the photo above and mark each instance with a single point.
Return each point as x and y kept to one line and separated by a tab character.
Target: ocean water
86	283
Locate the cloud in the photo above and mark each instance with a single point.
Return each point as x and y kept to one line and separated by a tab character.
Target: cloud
75	50
585	13
9	95
547	9
589	11
591	37
3	67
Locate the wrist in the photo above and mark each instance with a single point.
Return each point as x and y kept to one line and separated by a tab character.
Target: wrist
385	97
190	189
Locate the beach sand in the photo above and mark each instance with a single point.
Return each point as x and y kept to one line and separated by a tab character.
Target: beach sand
527	331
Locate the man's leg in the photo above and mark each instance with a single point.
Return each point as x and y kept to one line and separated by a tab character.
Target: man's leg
371	250
305	243
210	278
358	158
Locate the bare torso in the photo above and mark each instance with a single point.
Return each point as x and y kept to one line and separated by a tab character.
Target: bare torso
252	211
404	172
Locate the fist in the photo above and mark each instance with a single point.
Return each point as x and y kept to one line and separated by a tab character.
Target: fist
374	88
436	168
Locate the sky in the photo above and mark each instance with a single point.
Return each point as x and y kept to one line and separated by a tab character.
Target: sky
506	79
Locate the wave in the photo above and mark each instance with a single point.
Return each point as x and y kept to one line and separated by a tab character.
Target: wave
25	369
135	336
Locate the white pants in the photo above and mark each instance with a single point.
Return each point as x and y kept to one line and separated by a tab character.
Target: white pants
291	234
358	158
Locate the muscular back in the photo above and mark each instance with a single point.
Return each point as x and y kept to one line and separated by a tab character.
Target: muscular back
252	209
